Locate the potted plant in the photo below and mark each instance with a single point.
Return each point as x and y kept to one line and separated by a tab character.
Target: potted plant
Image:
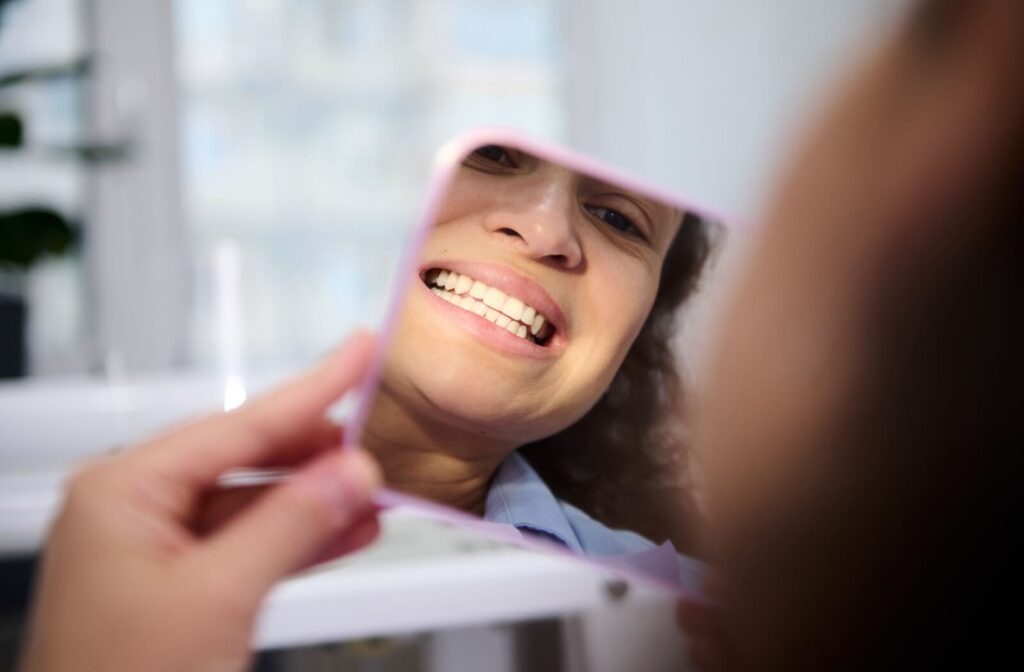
27	234
29	231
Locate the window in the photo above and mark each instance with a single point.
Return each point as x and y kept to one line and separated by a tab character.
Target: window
307	128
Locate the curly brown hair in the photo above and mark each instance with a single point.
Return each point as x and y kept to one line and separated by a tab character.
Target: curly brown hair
625	461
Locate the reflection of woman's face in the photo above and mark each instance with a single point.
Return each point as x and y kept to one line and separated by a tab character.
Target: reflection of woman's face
531	289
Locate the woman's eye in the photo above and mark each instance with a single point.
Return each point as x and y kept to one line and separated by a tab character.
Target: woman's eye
495	154
616	220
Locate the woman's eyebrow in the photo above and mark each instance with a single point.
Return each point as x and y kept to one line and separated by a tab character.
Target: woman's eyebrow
658	213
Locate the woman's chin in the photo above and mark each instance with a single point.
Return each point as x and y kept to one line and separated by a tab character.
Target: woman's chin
458	387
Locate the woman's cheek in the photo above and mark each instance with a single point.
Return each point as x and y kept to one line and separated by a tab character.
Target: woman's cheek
621	302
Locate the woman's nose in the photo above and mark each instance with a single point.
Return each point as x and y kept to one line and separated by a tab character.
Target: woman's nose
540	226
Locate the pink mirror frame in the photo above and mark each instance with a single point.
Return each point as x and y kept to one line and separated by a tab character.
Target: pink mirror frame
446	162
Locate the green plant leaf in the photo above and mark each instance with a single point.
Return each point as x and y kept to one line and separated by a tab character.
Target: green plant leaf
29	233
12	130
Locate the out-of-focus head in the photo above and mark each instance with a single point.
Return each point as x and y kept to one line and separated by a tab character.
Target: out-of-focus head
861	427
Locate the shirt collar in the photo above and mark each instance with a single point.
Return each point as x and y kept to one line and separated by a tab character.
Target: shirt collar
519	497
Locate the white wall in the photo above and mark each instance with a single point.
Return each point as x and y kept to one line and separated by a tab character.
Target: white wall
703	96
706	98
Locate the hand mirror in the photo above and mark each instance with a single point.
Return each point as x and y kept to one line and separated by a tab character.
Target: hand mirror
526	381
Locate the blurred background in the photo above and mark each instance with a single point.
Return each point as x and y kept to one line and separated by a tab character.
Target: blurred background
199	195
215	184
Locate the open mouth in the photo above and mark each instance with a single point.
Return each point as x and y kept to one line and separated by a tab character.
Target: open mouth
491	304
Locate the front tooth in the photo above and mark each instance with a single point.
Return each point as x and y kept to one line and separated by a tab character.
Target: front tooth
513	308
463	285
512	327
464	302
502	320
495	298
528	314
440	279
538	324
479	308
449	282
521	331
478	290
492	315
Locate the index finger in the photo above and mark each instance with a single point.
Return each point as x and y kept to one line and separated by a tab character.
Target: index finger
201	452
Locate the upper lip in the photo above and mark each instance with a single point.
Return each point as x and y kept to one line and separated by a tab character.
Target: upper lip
508	280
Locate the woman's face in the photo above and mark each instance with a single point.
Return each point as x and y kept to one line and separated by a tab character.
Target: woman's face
530	291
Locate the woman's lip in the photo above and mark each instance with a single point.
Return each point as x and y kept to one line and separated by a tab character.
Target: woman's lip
493	335
509	281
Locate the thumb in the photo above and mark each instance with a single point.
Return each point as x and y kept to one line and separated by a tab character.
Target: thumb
289	526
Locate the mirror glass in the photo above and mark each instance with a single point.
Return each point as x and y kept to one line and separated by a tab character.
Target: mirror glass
530	377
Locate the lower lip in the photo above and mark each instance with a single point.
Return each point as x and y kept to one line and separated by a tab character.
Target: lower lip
498	338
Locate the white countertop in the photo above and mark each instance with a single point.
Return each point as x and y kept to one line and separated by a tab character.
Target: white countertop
419	576
424	577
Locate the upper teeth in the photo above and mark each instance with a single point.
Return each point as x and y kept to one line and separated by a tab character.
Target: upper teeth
491	303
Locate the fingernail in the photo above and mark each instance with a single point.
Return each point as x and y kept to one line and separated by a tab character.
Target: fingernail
359	465
347	481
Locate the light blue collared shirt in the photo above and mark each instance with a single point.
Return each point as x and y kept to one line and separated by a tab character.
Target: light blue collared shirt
519	497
